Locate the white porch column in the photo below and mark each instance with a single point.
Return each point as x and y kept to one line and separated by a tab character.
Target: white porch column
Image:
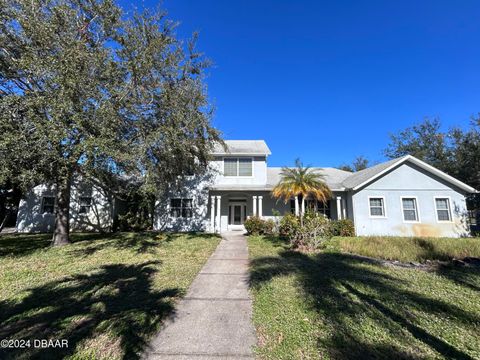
219	224
344	209
297	210
254	206
339	207
212	214
260	206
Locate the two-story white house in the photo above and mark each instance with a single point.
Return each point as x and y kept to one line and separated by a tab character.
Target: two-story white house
401	197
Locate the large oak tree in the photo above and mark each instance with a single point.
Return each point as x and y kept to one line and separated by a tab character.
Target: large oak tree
87	91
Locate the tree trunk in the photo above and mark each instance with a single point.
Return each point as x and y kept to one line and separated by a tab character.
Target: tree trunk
152	213
297	213
2	224
303	210
61	234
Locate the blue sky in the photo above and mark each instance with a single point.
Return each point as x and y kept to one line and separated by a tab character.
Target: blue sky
329	80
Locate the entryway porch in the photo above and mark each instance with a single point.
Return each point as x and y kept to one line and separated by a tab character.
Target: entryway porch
229	209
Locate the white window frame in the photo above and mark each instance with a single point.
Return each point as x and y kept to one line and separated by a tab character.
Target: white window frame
88	206
43	204
417	205
449	208
384	205
181	198
238	167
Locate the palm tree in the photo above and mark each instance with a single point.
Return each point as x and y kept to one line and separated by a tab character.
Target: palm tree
301	181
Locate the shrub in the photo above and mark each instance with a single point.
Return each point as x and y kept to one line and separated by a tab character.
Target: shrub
256	226
269	227
343	228
315	230
288	226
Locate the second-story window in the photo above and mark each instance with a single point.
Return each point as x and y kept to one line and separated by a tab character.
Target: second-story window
237	167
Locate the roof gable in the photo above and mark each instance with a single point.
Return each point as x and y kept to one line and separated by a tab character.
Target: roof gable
364	177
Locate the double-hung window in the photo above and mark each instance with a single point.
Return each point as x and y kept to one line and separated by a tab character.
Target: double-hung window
85	204
442	206
410	209
377	207
181	208
48	205
237	167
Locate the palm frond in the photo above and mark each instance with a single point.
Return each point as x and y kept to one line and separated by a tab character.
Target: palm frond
301	180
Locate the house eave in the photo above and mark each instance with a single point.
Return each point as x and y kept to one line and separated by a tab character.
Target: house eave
423	165
240	154
266	187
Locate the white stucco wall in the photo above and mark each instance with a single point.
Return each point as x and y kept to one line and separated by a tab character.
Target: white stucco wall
195	188
31	219
259	172
409	180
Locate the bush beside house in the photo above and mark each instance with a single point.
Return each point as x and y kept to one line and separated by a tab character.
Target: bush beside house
315	229
257	226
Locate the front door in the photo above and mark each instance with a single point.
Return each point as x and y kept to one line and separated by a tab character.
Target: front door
236	213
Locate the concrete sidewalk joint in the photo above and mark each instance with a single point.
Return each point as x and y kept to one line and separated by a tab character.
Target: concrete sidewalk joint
214	319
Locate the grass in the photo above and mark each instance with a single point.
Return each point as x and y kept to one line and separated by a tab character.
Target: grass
408	249
106	294
333	305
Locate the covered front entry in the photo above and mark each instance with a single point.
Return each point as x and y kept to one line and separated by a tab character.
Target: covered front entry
229	210
237	212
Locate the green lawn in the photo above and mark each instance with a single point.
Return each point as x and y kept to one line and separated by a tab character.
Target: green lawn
105	294
408	249
332	305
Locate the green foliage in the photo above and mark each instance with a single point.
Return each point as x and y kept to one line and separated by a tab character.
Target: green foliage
330	305
108	294
87	90
455	152
301	180
316	229
289	224
342	227
256	226
360	163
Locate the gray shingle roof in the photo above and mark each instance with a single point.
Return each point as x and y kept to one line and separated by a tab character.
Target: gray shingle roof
242	147
360	177
332	177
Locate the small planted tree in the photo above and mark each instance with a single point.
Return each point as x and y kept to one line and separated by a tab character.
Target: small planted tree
301	181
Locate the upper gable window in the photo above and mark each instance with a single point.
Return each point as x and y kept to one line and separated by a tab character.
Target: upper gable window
237	167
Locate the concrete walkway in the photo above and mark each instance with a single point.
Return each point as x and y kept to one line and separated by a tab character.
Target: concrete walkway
213	321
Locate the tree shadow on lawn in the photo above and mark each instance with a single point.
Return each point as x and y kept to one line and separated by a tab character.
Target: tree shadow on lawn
343	292
18	245
141	242
21	244
117	301
464	276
